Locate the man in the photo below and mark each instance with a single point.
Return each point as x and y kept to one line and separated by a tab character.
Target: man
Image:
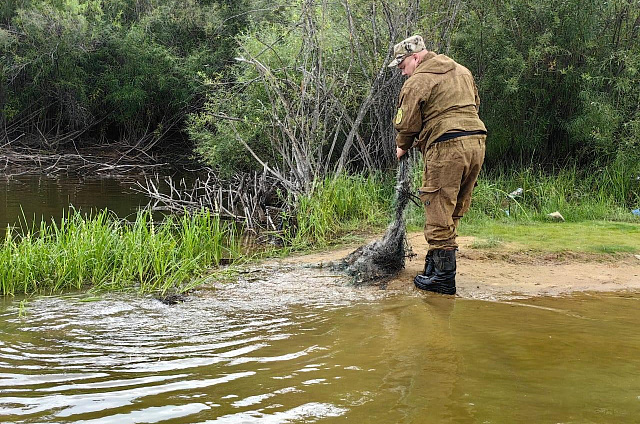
438	114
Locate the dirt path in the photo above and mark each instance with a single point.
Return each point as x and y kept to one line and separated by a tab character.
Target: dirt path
506	273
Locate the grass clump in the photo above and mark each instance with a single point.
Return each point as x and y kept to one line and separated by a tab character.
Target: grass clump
105	253
608	193
339	205
488	243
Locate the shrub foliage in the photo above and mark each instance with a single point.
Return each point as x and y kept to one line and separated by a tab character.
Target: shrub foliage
301	86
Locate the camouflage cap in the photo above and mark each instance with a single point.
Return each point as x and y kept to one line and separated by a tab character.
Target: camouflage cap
411	45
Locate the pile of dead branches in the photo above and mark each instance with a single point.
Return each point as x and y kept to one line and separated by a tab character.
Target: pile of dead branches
259	201
23	160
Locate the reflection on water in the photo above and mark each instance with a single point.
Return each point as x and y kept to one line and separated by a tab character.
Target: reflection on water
37	197
285	350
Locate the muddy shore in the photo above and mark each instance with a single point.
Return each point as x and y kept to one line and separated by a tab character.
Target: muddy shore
506	273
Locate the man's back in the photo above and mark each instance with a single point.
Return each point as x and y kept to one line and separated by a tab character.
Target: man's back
447	95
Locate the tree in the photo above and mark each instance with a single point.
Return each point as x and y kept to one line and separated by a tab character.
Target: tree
311	97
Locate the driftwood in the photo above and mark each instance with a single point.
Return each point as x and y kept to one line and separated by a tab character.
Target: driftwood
28	161
259	201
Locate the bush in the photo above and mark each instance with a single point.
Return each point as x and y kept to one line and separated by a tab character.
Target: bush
558	80
117	70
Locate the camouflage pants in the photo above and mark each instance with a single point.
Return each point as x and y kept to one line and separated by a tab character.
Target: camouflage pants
450	174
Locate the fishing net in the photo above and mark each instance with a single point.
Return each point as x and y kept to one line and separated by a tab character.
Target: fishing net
383	258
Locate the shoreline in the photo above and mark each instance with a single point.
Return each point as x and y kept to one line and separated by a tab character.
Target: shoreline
503	273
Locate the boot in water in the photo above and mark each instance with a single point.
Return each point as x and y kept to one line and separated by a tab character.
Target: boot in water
428	264
443	279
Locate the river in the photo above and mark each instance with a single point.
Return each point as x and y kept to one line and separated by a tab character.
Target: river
296	345
26	199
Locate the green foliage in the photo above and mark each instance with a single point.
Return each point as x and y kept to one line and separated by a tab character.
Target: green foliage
557	80
109	254
123	69
246	100
218	138
314	73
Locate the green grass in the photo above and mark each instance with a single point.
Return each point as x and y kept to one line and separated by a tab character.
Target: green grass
487	243
338	206
586	236
106	253
596	204
608	193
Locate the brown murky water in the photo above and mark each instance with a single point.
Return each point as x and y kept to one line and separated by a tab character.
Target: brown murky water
290	350
26	199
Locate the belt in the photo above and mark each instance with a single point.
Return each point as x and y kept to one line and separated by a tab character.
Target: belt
455	134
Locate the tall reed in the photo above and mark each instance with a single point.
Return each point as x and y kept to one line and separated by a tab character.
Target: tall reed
110	254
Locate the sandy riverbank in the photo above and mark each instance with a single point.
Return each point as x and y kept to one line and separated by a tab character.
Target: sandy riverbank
506	272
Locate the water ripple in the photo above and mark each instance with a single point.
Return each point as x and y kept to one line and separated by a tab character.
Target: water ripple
133	359
69	405
309	412
151	414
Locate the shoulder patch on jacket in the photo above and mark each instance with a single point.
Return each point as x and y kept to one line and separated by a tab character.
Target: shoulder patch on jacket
398	118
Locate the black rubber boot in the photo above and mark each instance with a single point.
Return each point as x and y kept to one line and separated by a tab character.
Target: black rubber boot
443	279
428	264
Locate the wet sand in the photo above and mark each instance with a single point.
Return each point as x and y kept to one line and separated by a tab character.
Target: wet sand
504	272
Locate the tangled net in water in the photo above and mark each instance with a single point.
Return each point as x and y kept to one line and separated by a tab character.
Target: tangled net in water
383	258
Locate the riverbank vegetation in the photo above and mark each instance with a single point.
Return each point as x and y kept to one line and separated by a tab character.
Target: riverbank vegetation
301	88
78	73
588	200
105	253
298	94
559	84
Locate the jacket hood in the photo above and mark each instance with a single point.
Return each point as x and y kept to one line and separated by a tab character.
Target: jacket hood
437	64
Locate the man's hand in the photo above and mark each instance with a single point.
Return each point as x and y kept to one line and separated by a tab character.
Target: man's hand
400	152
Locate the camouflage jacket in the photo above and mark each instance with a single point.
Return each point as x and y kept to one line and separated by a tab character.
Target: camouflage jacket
440	96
